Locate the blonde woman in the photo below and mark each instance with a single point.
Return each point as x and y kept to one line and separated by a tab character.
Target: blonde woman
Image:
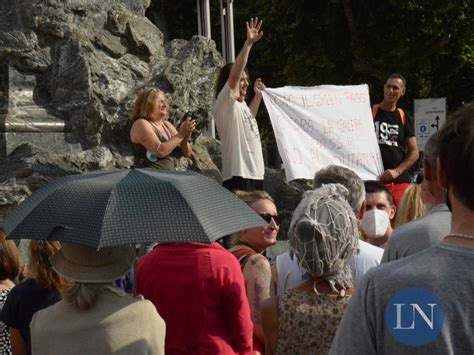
40	290
155	140
411	205
249	246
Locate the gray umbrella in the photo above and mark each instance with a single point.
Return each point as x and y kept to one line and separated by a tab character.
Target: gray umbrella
109	208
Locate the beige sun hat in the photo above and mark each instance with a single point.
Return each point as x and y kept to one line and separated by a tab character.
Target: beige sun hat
84	264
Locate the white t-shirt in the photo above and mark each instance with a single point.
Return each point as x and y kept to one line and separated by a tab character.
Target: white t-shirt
238	130
290	274
369	256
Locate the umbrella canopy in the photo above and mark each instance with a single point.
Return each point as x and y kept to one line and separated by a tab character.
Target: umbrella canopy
109	208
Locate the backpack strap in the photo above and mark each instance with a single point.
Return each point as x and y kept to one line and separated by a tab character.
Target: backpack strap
402	116
375	109
242	253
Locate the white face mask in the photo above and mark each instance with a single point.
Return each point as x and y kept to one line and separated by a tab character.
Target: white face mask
375	223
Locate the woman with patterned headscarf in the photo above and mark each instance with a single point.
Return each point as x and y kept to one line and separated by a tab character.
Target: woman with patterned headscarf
323	236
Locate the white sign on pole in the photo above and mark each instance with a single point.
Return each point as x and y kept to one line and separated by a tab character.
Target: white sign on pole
322	125
430	115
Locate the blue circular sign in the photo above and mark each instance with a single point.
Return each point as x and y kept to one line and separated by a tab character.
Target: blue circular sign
423	128
414	316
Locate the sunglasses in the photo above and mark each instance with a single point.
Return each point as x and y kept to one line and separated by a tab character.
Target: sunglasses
268	218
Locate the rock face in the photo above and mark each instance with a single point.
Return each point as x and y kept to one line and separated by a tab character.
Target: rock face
87	60
69	74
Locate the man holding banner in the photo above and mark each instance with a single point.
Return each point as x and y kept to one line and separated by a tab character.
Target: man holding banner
242	157
396	137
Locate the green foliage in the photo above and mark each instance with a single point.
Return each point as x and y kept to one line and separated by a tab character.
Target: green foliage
315	42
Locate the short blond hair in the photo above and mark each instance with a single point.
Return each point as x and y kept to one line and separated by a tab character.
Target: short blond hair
250	197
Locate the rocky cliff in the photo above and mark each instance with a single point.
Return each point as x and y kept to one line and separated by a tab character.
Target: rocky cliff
70	70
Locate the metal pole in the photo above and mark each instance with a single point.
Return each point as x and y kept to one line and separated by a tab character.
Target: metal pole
227	30
204	18
230	30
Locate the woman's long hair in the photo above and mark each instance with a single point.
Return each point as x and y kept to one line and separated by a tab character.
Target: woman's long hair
40	268
411	206
9	260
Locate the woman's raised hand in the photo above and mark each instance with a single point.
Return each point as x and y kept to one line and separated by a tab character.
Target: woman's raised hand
253	30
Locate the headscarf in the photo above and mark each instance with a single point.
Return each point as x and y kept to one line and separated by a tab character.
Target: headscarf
323	234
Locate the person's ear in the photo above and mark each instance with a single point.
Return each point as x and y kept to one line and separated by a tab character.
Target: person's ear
403	91
360	215
393	212
441	174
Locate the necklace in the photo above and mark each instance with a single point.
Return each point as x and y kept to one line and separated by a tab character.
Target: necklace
459	235
342	292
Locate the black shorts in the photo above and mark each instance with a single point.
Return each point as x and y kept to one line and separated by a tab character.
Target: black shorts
239	183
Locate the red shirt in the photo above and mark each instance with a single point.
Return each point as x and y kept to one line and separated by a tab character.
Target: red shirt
199	290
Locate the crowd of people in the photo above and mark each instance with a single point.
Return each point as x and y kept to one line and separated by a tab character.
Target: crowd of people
333	291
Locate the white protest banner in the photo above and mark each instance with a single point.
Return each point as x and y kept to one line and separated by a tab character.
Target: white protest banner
322	125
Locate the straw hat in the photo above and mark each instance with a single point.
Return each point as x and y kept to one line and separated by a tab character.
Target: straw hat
84	264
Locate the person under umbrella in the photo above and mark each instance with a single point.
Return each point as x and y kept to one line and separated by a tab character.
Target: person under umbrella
199	290
94	317
39	290
323	235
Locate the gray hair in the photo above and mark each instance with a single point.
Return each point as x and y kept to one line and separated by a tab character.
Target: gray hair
83	296
335	174
430	153
323	234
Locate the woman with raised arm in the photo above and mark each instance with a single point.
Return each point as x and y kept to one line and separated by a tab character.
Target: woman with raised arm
242	157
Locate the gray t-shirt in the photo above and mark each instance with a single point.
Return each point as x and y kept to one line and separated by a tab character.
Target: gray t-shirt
422	233
445	271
